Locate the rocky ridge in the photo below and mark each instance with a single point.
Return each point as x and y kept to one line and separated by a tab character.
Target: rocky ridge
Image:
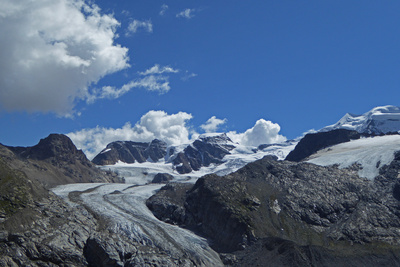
287	212
54	160
130	152
202	152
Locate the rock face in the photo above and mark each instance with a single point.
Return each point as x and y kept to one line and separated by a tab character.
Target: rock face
54	160
288	213
313	142
202	152
130	152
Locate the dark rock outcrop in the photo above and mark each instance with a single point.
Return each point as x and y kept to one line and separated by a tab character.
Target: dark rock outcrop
57	146
168	204
162	178
313	142
54	160
291	213
130	152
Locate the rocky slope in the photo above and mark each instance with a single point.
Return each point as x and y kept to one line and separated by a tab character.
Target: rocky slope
54	160
38	228
296	214
53	233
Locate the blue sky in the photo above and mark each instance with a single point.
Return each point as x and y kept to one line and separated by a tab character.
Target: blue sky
299	64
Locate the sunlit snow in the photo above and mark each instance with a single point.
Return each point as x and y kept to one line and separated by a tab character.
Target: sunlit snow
371	153
379	120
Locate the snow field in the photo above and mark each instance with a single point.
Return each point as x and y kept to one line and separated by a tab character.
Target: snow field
371	153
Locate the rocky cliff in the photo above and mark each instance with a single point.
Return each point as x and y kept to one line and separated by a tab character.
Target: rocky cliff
291	214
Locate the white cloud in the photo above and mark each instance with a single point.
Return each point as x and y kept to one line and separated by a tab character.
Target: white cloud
136	25
156	69
159	84
164	9
187	13
188	76
172	129
51	51
153	81
212	124
154	124
263	132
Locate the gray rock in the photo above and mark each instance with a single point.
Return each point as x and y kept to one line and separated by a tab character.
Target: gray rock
203	152
300	210
130	152
160	178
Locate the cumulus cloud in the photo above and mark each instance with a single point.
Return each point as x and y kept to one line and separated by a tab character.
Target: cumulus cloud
164	9
212	124
263	132
137	25
187	13
172	129
154	124
52	51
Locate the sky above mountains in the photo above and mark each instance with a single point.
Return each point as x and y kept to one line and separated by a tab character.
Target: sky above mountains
100	71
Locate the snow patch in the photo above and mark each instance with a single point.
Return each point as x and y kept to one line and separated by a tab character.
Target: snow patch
105	151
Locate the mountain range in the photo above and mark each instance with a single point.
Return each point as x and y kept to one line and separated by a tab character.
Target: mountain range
328	198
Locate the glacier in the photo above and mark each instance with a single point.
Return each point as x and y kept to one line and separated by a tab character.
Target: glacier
369	153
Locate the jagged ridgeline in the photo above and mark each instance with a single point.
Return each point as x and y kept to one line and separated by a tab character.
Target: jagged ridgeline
202	152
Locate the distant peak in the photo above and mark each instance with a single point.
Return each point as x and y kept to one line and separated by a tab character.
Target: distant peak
379	120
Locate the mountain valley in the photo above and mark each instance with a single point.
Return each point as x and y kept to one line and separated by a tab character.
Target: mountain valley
329	198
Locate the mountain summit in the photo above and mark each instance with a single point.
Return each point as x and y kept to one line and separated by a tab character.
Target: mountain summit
379	120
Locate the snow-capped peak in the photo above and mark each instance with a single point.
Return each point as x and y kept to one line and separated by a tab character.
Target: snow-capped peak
379	120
